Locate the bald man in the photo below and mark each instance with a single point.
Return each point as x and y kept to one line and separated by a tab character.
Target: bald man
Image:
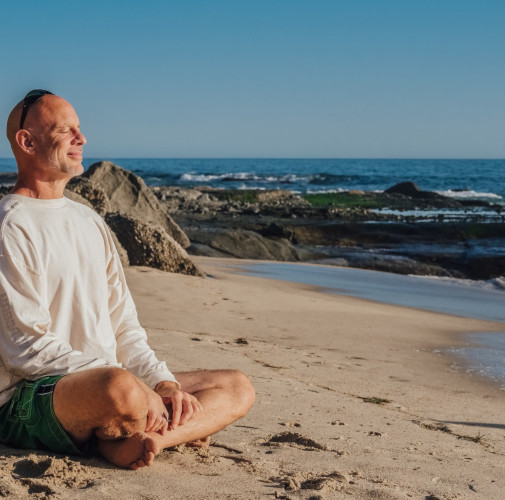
76	371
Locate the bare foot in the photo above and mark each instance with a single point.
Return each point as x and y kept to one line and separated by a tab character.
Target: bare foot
200	443
131	453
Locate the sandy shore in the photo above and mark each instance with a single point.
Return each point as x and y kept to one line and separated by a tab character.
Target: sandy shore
353	400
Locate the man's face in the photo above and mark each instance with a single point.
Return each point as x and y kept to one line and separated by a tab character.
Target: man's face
57	136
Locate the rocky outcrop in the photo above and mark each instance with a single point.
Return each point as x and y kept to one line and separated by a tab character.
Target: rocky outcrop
244	244
424	199
210	201
95	197
149	245
123	255
112	189
143	231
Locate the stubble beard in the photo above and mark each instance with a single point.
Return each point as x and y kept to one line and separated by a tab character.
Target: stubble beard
66	167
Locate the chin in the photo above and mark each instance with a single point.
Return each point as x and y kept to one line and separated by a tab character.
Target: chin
75	170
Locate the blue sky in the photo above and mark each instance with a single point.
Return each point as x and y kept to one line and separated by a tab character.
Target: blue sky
266	78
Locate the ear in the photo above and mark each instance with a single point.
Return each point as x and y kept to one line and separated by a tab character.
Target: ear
25	141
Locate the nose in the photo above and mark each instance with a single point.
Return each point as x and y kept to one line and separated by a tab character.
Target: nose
79	138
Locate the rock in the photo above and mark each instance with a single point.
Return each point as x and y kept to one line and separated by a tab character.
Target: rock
281	196
8	178
123	255
143	232
486	267
275	230
74	196
150	245
412	190
128	194
95	197
246	245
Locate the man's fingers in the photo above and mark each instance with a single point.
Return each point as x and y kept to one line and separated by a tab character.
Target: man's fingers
197	405
164	425
187	411
149	423
176	409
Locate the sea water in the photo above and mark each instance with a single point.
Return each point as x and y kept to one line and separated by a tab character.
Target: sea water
481	179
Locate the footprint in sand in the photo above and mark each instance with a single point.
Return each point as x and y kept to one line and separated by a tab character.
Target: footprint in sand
334	481
297	440
49	476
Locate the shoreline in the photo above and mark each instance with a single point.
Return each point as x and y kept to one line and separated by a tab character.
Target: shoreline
353	401
464	342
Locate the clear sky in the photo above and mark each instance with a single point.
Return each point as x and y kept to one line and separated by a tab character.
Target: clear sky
266	78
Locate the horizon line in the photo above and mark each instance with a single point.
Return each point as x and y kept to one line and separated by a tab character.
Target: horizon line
104	158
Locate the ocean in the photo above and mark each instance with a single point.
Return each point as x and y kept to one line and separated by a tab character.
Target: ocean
470	179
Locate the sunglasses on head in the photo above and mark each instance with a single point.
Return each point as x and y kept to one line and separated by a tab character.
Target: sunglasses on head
32	97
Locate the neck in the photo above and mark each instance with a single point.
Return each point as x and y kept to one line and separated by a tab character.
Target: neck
35	188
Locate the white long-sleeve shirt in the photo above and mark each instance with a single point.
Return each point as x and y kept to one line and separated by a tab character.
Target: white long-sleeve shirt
64	302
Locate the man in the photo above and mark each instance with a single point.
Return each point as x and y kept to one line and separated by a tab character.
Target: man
75	367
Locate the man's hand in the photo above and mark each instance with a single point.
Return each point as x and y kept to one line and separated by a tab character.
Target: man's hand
184	405
157	414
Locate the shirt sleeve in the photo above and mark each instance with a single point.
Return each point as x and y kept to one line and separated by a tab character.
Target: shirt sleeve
133	351
28	347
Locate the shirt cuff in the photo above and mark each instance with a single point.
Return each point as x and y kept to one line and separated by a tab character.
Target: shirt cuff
157	376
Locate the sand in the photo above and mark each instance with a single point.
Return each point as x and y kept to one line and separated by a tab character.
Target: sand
354	400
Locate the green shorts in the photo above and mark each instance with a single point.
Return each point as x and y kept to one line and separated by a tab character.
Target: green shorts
28	419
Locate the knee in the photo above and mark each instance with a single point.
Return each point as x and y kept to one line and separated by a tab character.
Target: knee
124	395
243	390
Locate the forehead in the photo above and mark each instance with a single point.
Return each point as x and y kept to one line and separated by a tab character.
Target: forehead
53	111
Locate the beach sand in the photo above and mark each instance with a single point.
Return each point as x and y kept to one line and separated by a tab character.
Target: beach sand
354	400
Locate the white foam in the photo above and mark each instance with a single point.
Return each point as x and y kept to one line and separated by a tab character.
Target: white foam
495	284
239	176
326	191
192	177
469	194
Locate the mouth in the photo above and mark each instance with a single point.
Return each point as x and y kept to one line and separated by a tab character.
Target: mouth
75	155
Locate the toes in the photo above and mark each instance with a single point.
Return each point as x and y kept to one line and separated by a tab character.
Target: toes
137	465
149	458
150	446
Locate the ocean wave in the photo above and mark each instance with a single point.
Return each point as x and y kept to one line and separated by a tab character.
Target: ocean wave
495	284
246	177
327	179
498	283
326	191
469	194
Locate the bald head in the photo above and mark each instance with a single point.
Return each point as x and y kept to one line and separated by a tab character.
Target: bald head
35	116
50	143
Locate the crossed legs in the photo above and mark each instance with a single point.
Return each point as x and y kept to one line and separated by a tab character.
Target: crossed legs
110	404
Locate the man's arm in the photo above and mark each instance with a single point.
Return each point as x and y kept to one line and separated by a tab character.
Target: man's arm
136	355
28	347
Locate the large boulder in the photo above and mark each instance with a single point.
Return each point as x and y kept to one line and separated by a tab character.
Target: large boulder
84	189
144	233
128	194
123	255
244	244
150	245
